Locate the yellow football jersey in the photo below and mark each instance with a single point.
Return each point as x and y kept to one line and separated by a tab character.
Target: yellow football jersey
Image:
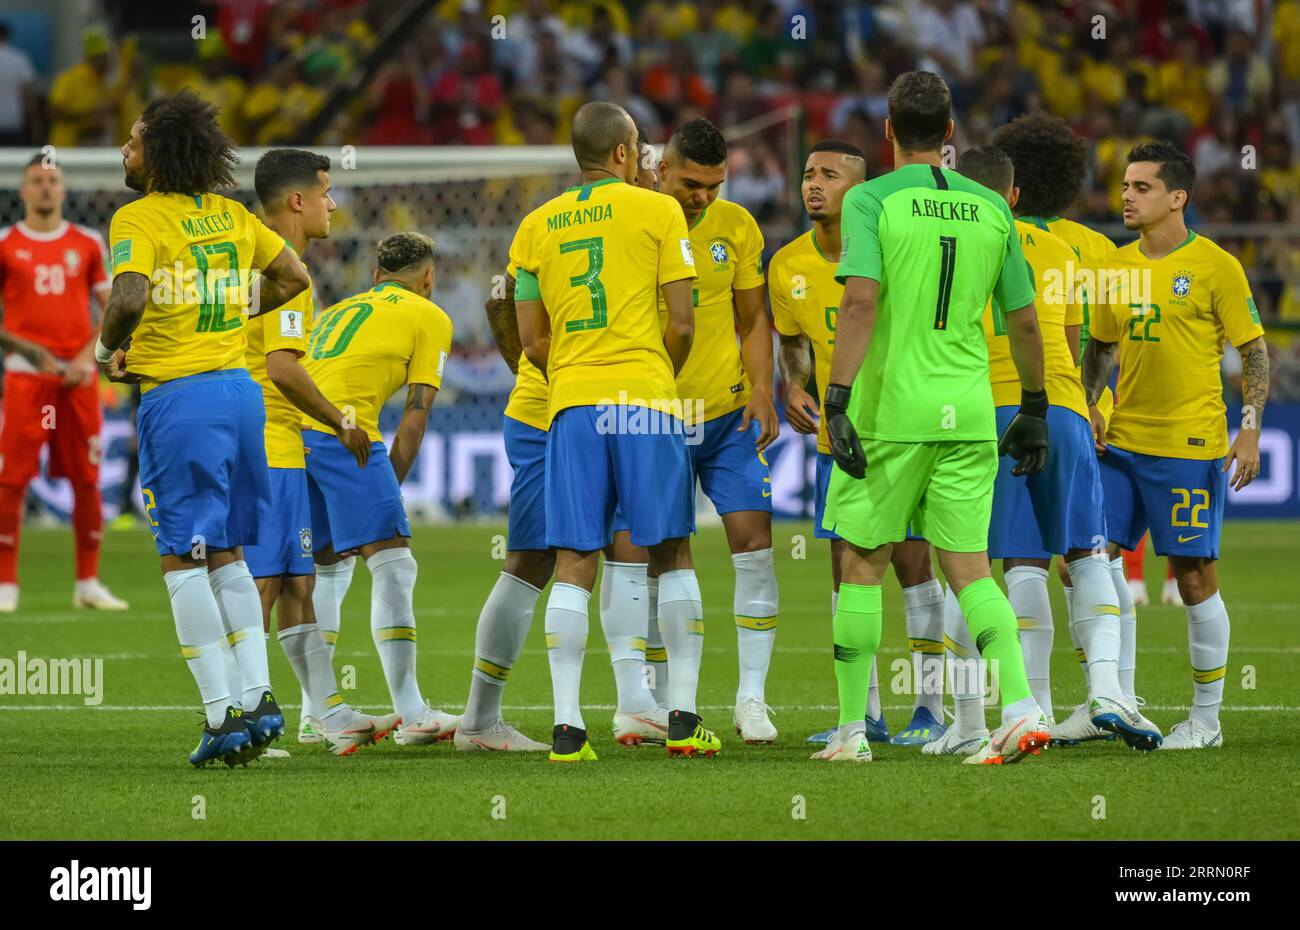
596	257
366	347
1057	308
729	248
1092	252
198	252
1171	325
528	398
286	328
806	299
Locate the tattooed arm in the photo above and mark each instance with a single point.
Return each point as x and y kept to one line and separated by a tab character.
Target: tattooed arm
1254	395
126	303
410	431
505	326
796	368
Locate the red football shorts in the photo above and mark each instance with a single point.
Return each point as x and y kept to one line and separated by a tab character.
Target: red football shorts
39	409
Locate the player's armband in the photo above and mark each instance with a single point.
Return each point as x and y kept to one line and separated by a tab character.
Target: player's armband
526	286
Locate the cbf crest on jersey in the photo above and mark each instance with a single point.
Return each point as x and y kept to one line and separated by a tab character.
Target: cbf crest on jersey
304	539
719	252
1182	284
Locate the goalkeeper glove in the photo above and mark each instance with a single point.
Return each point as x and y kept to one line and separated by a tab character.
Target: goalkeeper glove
1025	439
845	445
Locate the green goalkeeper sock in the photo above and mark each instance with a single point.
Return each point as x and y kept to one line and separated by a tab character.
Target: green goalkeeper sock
992	624
857	636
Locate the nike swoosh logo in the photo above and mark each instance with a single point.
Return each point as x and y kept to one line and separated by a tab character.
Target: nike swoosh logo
1183	539
767	493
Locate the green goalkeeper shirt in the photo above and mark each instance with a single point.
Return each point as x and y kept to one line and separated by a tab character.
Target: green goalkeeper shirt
939	244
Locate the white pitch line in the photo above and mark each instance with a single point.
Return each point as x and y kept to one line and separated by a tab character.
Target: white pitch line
159	708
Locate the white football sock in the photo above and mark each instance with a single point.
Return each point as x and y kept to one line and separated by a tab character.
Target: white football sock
1096	607
304	647
755	606
234	677
1127	631
681	620
241	616
332	583
498	639
566	643
200	633
392	627
656	656
966	669
923	609
1207	643
625	619
1027	592
1079	652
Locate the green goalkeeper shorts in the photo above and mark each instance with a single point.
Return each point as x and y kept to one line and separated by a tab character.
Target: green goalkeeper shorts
943	490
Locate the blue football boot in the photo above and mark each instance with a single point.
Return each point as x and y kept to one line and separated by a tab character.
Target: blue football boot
265	725
227	742
877	732
923	729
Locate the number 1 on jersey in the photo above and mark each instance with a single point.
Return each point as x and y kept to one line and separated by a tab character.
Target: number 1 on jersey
948	261
595	249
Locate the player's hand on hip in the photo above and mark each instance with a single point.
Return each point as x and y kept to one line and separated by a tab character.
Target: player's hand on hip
1245	452
845	445
800	410
1025	439
41	358
115	370
1098	429
356	441
760	408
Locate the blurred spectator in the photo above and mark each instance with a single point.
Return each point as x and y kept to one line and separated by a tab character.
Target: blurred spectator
617	88
674	79
18	105
755	180
947	34
467	99
220	86
712	47
1242	78
81	101
399	102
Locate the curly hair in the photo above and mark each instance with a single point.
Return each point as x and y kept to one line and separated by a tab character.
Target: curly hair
185	151
699	141
404	252
1050	162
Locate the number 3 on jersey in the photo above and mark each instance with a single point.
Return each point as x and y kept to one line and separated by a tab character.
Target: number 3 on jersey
595	249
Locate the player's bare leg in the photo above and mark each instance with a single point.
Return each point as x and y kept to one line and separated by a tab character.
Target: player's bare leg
755	607
566	645
629	617
503	626
681	619
1208	632
923	611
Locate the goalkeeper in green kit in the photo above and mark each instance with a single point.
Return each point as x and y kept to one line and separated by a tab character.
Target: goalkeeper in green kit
909	409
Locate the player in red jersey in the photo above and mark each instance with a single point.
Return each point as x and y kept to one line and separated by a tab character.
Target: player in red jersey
49	270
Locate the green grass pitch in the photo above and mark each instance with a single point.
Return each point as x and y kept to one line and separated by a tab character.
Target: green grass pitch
120	771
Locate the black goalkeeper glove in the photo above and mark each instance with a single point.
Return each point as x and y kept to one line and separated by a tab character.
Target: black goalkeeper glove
1025	439
845	445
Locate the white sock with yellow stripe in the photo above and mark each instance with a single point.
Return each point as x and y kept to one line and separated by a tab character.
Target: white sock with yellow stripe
625	618
566	644
1127	630
392	626
1079	652
241	615
681	620
305	649
1207	642
756	606
1027	592
234	677
965	669
332	583
1095	620
199	632
923	610
656	656
498	639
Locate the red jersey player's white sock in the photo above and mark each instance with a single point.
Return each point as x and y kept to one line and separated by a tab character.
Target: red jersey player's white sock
1096	617
332	583
625	622
923	609
681	620
1079	652
755	605
1127	631
966	669
392	627
566	644
305	649
199	630
656	656
241	615
498	639
1027	592
1208	631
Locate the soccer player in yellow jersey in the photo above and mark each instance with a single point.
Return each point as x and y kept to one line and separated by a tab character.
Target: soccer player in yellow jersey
183	261
591	264
293	187
805	301
361	351
1057	511
1167	454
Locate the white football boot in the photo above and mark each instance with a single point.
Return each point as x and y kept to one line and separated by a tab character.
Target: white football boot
361	730
1118	716
273	753
953	743
853	749
1169	595
1193	734
92	593
310	730
752	722
499	737
647	726
1137	589
8	598
1078	728
433	727
1011	742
